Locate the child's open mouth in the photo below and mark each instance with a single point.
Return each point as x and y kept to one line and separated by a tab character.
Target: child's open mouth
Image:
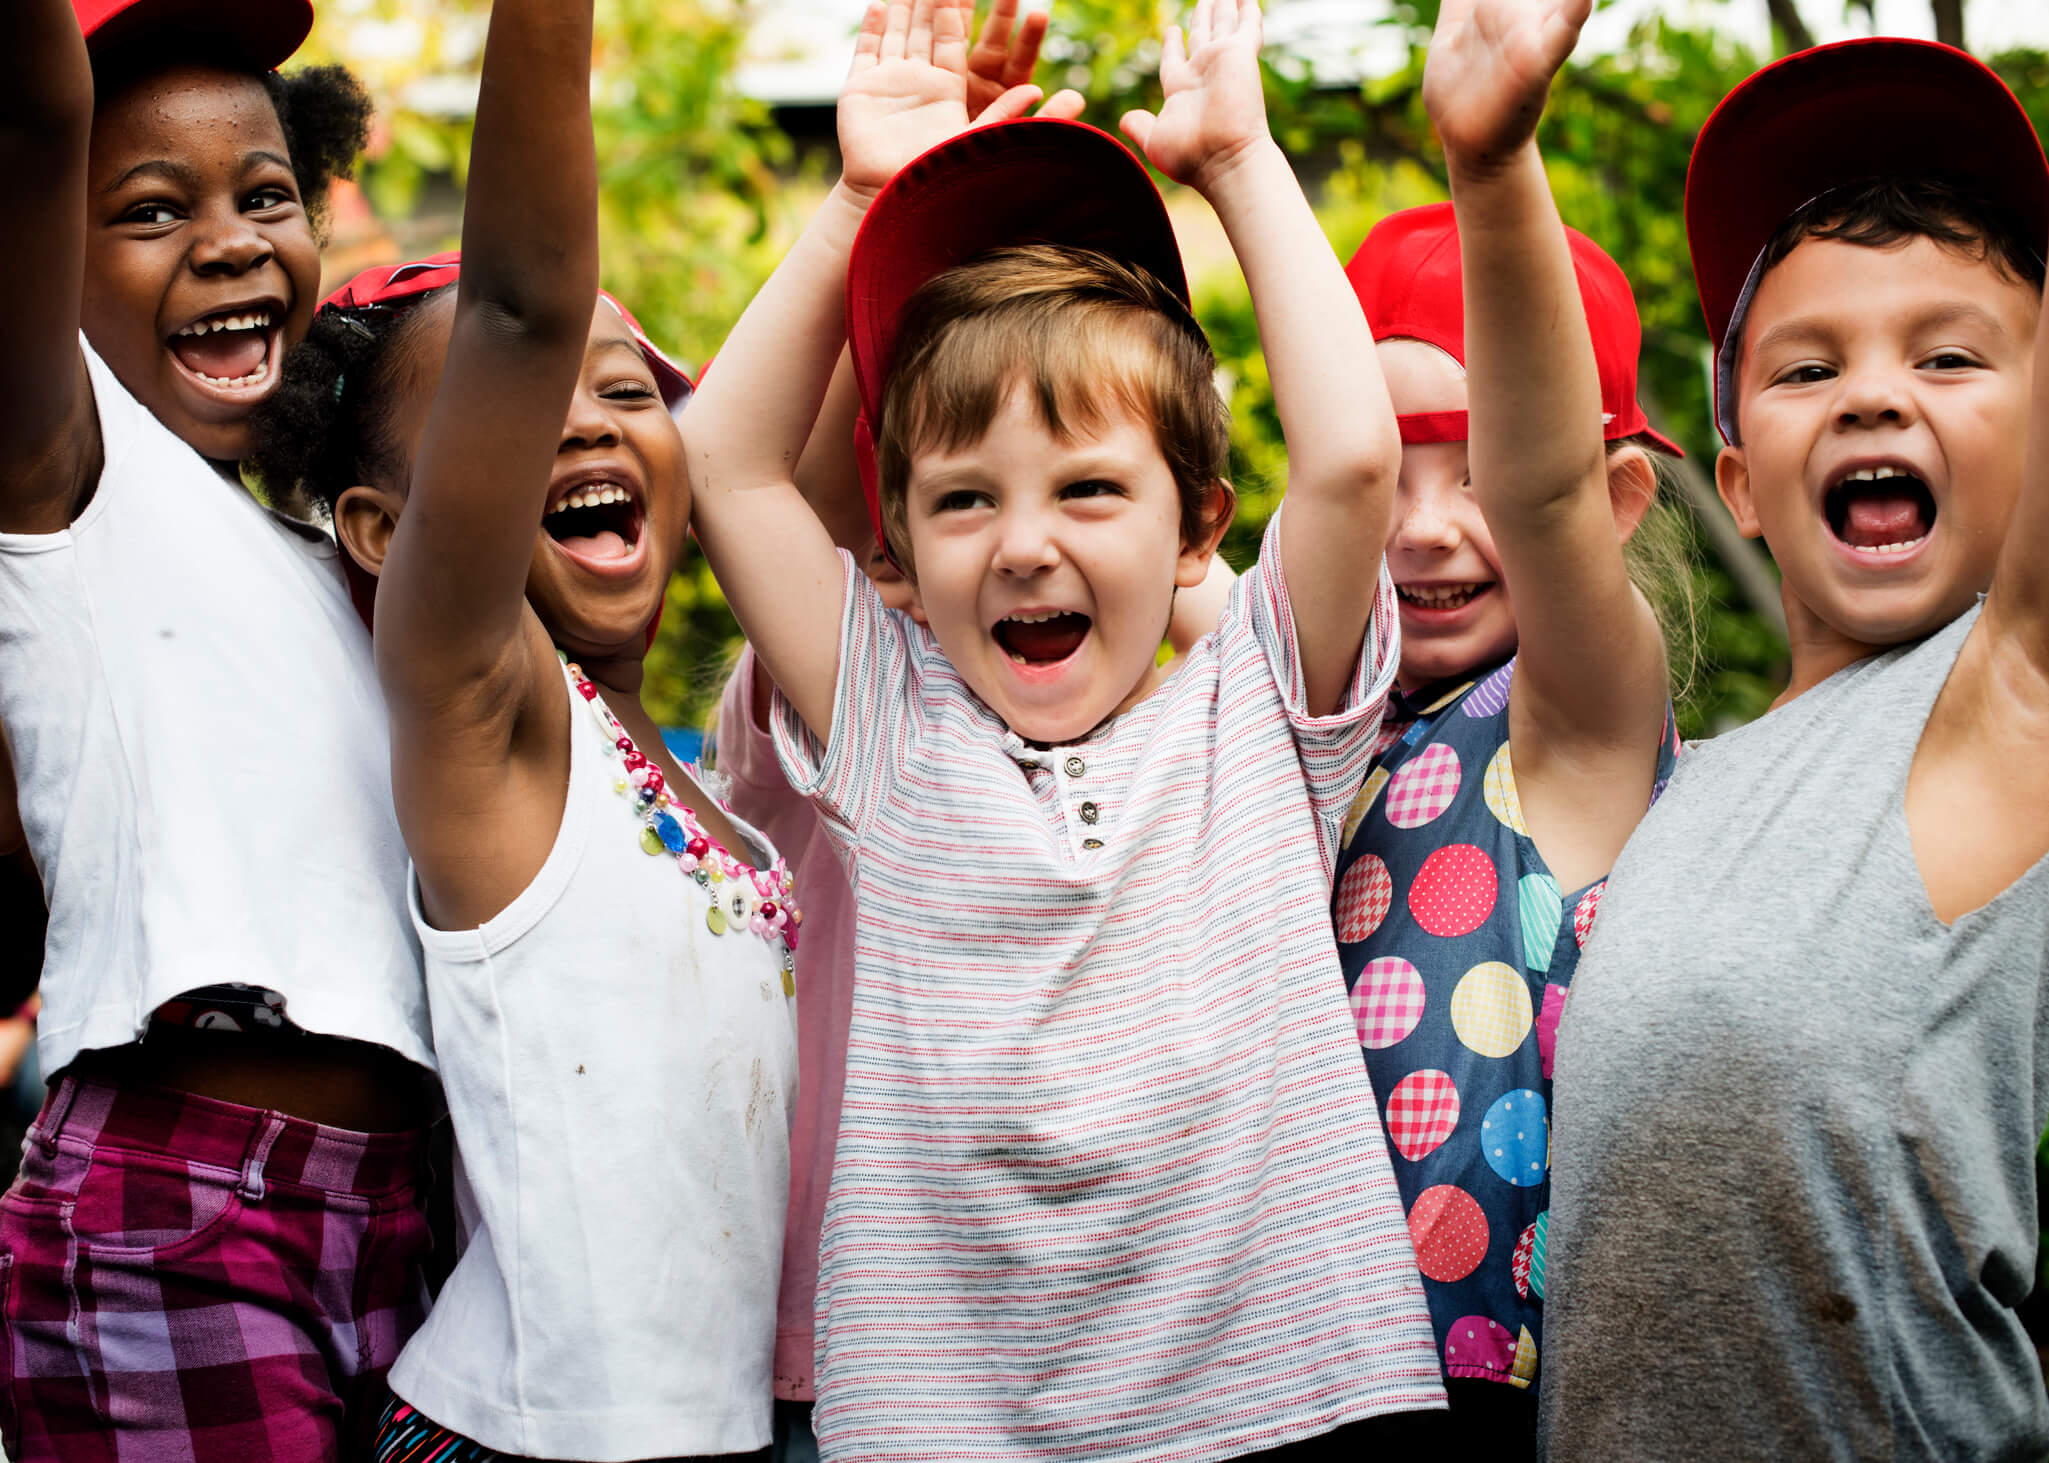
1880	510
232	353
1041	637
597	521
1439	598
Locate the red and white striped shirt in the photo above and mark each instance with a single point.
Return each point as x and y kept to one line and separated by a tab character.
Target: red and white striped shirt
1110	1182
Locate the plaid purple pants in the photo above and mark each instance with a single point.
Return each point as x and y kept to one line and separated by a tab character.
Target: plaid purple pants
185	1279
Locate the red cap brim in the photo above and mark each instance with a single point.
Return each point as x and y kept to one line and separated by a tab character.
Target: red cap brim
262	34
1880	106
393	284
1035	180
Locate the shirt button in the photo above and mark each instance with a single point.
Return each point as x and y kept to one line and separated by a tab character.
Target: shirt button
1075	767
1090	812
1092	844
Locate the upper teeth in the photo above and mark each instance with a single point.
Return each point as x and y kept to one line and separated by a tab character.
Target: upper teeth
594	498
1036	619
1438	594
254	320
1872	474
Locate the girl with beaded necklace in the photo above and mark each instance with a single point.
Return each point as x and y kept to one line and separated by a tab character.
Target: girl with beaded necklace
607	951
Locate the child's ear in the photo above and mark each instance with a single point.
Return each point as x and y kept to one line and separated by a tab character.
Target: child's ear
363	520
1220	507
1632	488
1732	481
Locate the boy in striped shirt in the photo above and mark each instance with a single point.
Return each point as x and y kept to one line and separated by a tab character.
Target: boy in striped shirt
1110	1181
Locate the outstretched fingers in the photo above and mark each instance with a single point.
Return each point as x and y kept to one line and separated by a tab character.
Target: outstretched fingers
918	43
868	42
1014	103
1066	104
896	31
949	45
1023	55
992	47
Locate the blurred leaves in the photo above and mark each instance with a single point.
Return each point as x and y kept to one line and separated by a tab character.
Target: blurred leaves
702	192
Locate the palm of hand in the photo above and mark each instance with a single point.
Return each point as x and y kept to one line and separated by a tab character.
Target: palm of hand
1488	73
1214	109
892	112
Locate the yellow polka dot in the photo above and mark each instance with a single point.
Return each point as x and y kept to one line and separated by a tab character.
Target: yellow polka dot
1523	1370
1490	1010
1503	801
1363	803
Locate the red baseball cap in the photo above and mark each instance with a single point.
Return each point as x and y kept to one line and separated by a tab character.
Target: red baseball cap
1032	180
262	33
394	284
1409	281
1836	115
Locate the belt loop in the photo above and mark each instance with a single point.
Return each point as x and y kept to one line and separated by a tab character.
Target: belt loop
251	1187
52	1122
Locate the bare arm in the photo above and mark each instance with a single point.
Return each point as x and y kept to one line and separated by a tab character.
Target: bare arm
1591	682
1343	450
2019	600
49	435
452	594
745	431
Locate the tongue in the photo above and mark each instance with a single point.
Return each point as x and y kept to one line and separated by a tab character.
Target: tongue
1048	640
225	355
1877	519
604	544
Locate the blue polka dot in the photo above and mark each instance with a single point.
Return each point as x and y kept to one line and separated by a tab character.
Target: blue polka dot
1516	1137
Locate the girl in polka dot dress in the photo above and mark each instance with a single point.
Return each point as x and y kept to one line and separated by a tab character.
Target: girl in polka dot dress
1531	728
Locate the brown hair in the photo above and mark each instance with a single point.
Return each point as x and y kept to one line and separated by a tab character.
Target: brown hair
1085	335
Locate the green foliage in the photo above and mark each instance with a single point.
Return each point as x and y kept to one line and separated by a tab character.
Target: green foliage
700	199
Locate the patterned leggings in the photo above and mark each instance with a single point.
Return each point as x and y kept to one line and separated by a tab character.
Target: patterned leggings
406	1436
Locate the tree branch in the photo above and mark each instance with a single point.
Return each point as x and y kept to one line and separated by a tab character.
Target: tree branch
1949	22
1786	17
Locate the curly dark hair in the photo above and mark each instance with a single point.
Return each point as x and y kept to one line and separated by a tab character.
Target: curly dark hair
324	110
331	423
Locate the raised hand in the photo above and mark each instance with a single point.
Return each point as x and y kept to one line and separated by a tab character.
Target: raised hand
1214	111
1005	55
1489	71
907	91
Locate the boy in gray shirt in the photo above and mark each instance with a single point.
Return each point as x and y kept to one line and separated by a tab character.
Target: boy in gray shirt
1806	1057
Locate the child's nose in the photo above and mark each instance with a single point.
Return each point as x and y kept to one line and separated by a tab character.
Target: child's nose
227	242
589	424
1425	526
1875	395
1025	544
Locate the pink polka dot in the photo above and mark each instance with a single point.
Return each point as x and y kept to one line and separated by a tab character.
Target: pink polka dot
1421	1112
1476	1347
1364	896
1449	1231
1583	913
1454	890
1547	1025
1423	789
1387	1001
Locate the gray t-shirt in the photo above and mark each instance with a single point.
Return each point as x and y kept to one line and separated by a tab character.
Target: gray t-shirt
1794	1195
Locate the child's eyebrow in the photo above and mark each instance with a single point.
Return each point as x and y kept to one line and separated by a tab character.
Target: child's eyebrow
155	168
1962	312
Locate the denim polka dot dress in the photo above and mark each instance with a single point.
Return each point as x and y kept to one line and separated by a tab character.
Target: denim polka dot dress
1457	947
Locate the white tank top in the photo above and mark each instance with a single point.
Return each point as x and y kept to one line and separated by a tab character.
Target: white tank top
619	1052
201	755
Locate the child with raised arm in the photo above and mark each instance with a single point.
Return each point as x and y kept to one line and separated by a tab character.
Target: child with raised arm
607	951
1090	1199
1533	691
1806	1061
224	1181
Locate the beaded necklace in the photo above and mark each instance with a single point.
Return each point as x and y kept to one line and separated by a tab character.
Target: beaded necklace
744	899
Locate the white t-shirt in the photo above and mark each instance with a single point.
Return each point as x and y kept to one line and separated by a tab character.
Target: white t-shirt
201	755
1110	1180
620	1075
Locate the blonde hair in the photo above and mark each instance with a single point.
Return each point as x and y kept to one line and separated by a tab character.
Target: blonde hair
1660	560
1084	336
